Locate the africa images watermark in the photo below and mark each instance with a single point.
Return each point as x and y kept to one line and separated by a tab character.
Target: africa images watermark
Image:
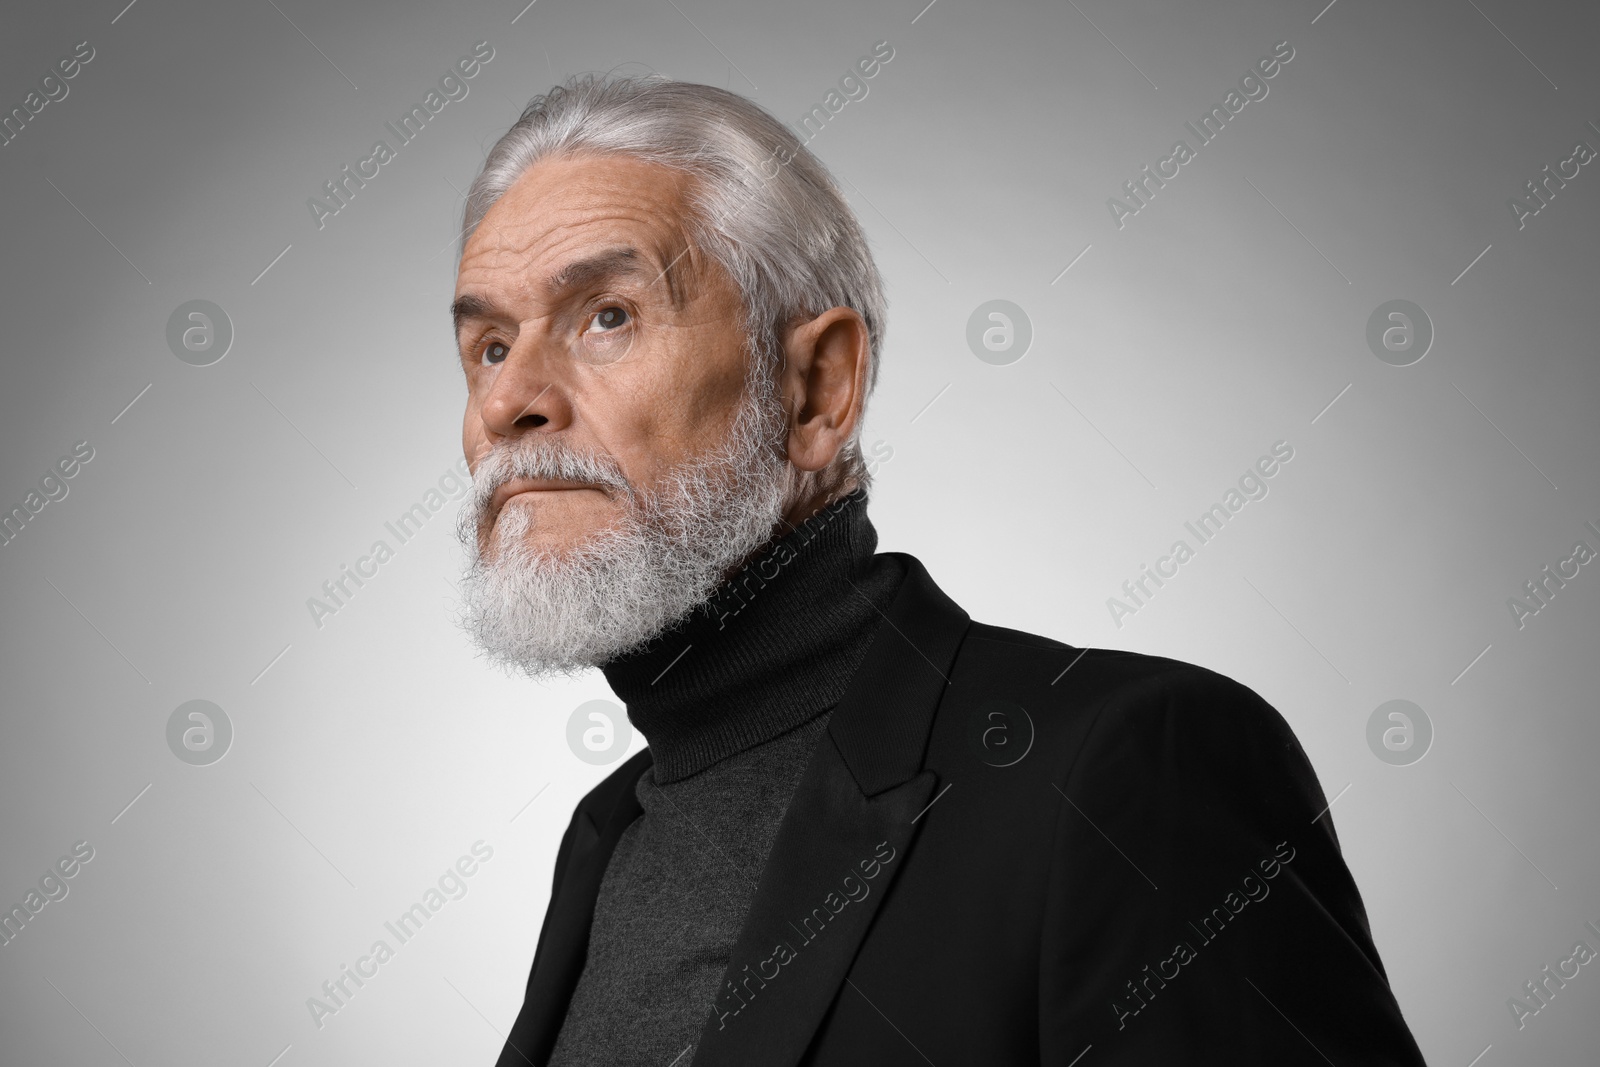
1255	889
1543	987
451	885
52	887
1252	86
1538	192
52	487
1252	486
854	888
733	597
1540	590
452	87
851	88
53	89
340	590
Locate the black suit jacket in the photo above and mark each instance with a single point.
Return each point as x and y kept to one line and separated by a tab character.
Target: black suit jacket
990	861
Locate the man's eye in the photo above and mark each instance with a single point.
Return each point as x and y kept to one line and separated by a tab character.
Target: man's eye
494	352
607	319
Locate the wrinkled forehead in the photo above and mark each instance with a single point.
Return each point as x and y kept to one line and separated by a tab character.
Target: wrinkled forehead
570	208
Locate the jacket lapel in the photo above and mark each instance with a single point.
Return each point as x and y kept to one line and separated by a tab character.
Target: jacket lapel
564	940
843	840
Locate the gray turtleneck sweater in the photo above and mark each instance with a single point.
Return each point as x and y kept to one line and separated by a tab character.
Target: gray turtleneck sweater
732	701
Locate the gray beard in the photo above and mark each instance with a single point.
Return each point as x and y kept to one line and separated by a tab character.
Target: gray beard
548	614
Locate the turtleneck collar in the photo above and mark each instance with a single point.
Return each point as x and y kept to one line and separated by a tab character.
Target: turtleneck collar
773	648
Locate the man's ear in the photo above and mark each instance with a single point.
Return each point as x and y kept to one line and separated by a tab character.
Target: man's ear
823	383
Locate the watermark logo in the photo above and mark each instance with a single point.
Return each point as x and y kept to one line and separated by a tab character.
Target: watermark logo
52	887
1253	888
1542	988
851	88
1399	333
1537	192
341	190
52	487
1252	485
1540	590
880	453
337	592
1141	189
598	732
737	592
852	888
1399	732
1001	733
338	991
199	333
999	332
53	89
199	732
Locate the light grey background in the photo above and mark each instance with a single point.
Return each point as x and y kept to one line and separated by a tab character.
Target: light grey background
1228	314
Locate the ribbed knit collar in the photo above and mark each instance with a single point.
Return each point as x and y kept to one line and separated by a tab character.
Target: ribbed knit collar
774	647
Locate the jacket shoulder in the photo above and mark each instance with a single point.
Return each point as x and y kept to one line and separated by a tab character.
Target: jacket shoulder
1083	692
1085	671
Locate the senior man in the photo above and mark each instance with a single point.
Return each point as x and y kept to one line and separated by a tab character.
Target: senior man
866	829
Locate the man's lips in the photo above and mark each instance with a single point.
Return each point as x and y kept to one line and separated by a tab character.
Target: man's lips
515	486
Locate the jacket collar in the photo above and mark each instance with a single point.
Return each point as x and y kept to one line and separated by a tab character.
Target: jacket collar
852	812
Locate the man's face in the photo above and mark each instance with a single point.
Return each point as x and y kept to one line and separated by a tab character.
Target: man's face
626	454
584	319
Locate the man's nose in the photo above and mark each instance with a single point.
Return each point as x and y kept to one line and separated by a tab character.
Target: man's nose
527	394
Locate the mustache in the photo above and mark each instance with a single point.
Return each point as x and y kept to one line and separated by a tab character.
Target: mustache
530	457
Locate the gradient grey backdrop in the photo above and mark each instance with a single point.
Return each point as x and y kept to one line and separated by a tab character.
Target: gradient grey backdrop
1227	315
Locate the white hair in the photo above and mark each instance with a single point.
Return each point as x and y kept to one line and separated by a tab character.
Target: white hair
762	205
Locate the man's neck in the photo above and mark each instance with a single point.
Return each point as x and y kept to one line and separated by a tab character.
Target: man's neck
795	515
770	650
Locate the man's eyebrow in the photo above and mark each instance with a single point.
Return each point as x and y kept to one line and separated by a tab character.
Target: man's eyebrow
612	263
623	261
469	306
618	262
